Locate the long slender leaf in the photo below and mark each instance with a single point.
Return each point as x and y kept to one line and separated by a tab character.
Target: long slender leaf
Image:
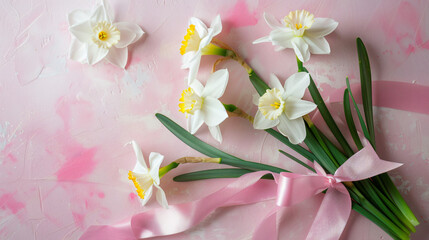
362	122
321	157
366	86
211	151
349	120
297	160
318	100
215	173
297	148
260	86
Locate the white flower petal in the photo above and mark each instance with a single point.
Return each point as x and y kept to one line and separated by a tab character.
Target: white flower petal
262	40
293	129
187	59
118	56
141	166
206	40
296	84
200	27
321	27
216	84
82	31
99	15
108	11
78	51
215	132
195	121
130	33
214	111
317	45
301	49
96	54
155	160
272	21
275	82
147	195
260	122
160	197
295	107
216	25
282	37
193	68
197	86
77	17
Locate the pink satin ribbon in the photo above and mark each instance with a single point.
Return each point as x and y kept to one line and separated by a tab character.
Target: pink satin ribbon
288	189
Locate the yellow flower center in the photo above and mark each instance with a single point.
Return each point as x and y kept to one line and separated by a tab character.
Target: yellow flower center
105	35
141	182
192	40
271	104
190	102
276	105
299	21
102	35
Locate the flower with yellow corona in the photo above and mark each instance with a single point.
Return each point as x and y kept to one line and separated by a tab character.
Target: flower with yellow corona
197	42
96	37
146	179
283	107
201	104
301	31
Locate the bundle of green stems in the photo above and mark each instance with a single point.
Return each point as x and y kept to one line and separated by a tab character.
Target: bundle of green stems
376	198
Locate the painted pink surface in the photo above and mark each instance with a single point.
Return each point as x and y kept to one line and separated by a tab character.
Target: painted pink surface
63	125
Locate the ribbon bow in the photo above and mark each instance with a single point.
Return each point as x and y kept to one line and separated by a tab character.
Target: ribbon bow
335	208
288	189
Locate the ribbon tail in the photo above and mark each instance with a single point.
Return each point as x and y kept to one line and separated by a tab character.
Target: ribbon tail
332	215
267	229
181	217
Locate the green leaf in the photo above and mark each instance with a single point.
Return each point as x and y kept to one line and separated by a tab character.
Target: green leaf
366	86
211	151
362	122
297	160
318	100
321	157
297	148
349	119
260	86
215	173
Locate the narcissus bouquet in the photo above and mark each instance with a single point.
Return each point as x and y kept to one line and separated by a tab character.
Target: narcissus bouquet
348	179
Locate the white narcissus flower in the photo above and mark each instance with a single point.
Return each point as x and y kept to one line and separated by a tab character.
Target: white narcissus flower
300	31
201	104
284	108
96	37
145	179
197	42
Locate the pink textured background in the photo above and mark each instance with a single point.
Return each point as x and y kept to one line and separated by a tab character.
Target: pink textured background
63	125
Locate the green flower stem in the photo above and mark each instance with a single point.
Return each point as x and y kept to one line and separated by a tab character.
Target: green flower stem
166	169
358	197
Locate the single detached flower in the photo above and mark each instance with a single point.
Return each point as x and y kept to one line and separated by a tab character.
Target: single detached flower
300	31
284	108
197	42
201	104
96	37
145	179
